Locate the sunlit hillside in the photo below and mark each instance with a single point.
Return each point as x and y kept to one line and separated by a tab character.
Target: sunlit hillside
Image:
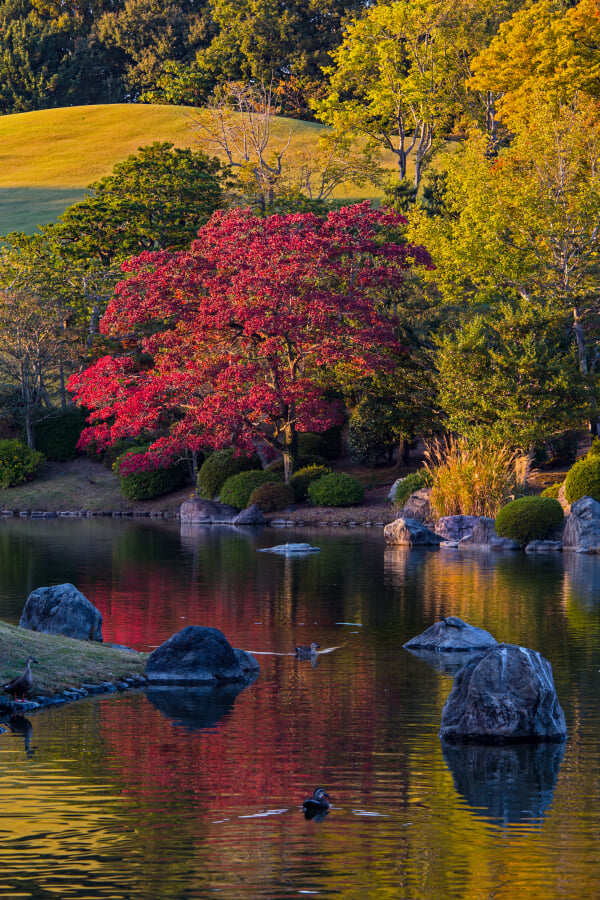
48	157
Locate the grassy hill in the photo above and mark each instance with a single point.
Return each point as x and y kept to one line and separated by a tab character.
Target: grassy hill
47	158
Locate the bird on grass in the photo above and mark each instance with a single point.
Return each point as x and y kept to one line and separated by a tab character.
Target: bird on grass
22	683
307	652
317	806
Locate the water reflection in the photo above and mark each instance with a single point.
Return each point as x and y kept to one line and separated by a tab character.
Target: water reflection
18	724
507	785
195	708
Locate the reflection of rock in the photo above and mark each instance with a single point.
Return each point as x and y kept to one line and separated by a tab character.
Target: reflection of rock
506	694
452	634
62	609
411	533
195	708
208	512
197	655
506	784
445	663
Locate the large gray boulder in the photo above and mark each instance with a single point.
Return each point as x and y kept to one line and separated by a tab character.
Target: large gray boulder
455	528
418	506
582	529
505	695
483	536
196	511
451	635
411	533
198	655
62	609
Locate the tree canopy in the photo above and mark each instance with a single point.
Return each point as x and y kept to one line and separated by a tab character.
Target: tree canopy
227	341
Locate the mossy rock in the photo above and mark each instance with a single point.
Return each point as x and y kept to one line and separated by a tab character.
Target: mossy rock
529	519
583	479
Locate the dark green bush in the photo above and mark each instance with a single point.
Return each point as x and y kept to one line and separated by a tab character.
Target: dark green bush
336	489
18	463
272	496
237	490
413	482
594	447
529	519
303	462
301	479
583	479
56	436
220	466
327	444
552	490
154	483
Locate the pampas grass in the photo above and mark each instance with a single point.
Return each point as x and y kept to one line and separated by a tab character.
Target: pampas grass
470	479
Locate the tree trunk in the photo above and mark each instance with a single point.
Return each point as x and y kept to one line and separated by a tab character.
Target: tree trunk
580	340
290	453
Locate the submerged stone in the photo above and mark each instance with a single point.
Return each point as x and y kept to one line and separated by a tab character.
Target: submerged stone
452	634
290	549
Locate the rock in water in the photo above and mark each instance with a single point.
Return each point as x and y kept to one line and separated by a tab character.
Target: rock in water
505	695
62	609
411	533
582	529
197	655
452	634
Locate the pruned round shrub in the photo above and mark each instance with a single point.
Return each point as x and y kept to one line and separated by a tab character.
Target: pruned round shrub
18	463
301	479
413	482
552	490
56	436
237	490
152	483
594	448
336	489
583	479
221	465
529	519
272	496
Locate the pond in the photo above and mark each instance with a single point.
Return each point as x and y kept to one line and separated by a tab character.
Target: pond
162	795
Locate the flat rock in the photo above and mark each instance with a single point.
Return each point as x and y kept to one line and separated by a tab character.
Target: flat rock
505	695
198	655
582	529
452	635
543	546
484	536
411	533
291	549
62	609
196	511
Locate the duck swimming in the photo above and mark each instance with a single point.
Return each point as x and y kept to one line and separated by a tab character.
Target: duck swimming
22	683
307	652
316	806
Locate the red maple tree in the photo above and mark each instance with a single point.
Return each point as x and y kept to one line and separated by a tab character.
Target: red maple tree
229	344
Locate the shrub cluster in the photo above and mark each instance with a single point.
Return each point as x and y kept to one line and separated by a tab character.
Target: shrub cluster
583	479
18	463
221	465
413	482
301	479
326	444
529	519
152	483
272	496
237	490
56	436
336	489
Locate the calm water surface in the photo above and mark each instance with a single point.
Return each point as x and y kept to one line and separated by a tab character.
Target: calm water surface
169	795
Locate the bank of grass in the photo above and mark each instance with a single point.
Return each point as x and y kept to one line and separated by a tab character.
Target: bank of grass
50	156
63	662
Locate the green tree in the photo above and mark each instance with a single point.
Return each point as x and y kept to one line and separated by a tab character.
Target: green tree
510	377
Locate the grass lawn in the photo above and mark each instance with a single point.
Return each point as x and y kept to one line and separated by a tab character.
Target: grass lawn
49	157
63	662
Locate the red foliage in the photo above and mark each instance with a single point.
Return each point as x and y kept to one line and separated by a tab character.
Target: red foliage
241	328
